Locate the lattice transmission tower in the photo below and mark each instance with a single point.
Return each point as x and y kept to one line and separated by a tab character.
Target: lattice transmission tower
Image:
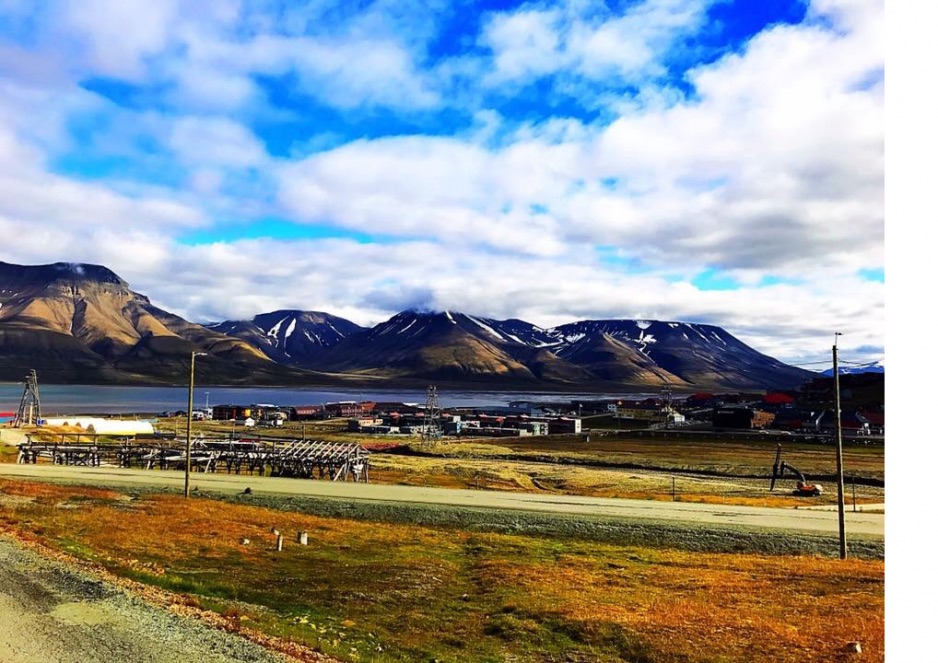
432	428
30	410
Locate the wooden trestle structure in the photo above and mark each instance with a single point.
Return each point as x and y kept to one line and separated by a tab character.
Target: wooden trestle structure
306	459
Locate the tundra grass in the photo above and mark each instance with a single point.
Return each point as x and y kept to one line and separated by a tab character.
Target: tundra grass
565	479
740	458
370	591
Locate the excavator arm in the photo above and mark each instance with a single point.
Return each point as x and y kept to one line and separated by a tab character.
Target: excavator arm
805	488
777	467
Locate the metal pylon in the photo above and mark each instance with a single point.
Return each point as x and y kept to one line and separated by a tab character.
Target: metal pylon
30	411
432	430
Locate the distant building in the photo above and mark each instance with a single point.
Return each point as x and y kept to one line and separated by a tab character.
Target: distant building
358	425
777	400
741	417
344	409
231	412
701	399
641	412
306	412
850	420
387	407
793	419
564	426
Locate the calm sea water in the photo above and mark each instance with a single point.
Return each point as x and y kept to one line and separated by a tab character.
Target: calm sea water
96	399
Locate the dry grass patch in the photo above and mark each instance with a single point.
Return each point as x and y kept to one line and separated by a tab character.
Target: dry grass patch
381	592
524	476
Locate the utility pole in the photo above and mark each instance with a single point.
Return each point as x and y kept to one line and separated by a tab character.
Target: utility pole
189	417
840	454
667	406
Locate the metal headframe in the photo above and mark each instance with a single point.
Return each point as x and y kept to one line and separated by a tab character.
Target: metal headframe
432	428
30	410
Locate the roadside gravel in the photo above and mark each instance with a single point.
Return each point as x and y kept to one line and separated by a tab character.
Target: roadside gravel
54	612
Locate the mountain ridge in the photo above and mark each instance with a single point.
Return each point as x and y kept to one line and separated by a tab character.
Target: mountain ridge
82	322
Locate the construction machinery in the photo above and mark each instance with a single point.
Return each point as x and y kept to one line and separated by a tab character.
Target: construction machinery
803	488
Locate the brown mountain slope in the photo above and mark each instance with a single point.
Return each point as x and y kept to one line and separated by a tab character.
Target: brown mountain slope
609	359
414	345
82	322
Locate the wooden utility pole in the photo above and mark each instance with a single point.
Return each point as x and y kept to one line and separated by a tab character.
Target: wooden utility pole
189	417
840	454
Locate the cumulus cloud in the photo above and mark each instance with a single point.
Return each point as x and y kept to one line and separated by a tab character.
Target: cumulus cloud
116	36
752	174
124	128
586	40
216	141
367	283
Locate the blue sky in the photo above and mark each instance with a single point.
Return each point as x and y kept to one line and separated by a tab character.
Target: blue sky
684	160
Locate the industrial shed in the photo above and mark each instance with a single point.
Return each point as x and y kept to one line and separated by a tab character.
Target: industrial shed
741	417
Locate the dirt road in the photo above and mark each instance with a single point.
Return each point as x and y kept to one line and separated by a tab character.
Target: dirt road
50	612
795	520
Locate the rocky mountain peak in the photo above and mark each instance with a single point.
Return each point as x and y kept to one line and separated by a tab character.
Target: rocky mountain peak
59	273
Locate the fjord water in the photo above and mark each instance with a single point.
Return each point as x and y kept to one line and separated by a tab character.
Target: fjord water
100	399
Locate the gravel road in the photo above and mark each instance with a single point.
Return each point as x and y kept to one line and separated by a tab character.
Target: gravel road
772	519
53	613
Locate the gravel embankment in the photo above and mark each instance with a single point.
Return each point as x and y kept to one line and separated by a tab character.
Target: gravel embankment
52	611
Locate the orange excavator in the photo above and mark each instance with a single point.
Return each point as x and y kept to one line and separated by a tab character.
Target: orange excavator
804	488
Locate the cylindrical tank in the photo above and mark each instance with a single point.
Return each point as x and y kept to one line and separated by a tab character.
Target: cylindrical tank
120	427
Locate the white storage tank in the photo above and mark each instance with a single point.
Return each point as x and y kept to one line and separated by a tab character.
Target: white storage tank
120	427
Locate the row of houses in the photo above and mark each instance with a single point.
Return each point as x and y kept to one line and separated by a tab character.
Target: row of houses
797	420
336	410
477	424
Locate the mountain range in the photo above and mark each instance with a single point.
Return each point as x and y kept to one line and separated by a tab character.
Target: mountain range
79	323
871	367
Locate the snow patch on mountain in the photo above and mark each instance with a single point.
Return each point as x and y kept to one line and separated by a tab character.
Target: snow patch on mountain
644	340
275	330
486	328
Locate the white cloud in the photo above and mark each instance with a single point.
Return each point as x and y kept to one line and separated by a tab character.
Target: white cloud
525	43
201	87
754	174
584	39
439	188
116	36
345	72
368	282
772	169
216	141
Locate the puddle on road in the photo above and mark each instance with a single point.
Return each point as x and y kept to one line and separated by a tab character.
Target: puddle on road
81	613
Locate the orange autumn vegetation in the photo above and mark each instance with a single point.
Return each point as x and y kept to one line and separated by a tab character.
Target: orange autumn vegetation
383	592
